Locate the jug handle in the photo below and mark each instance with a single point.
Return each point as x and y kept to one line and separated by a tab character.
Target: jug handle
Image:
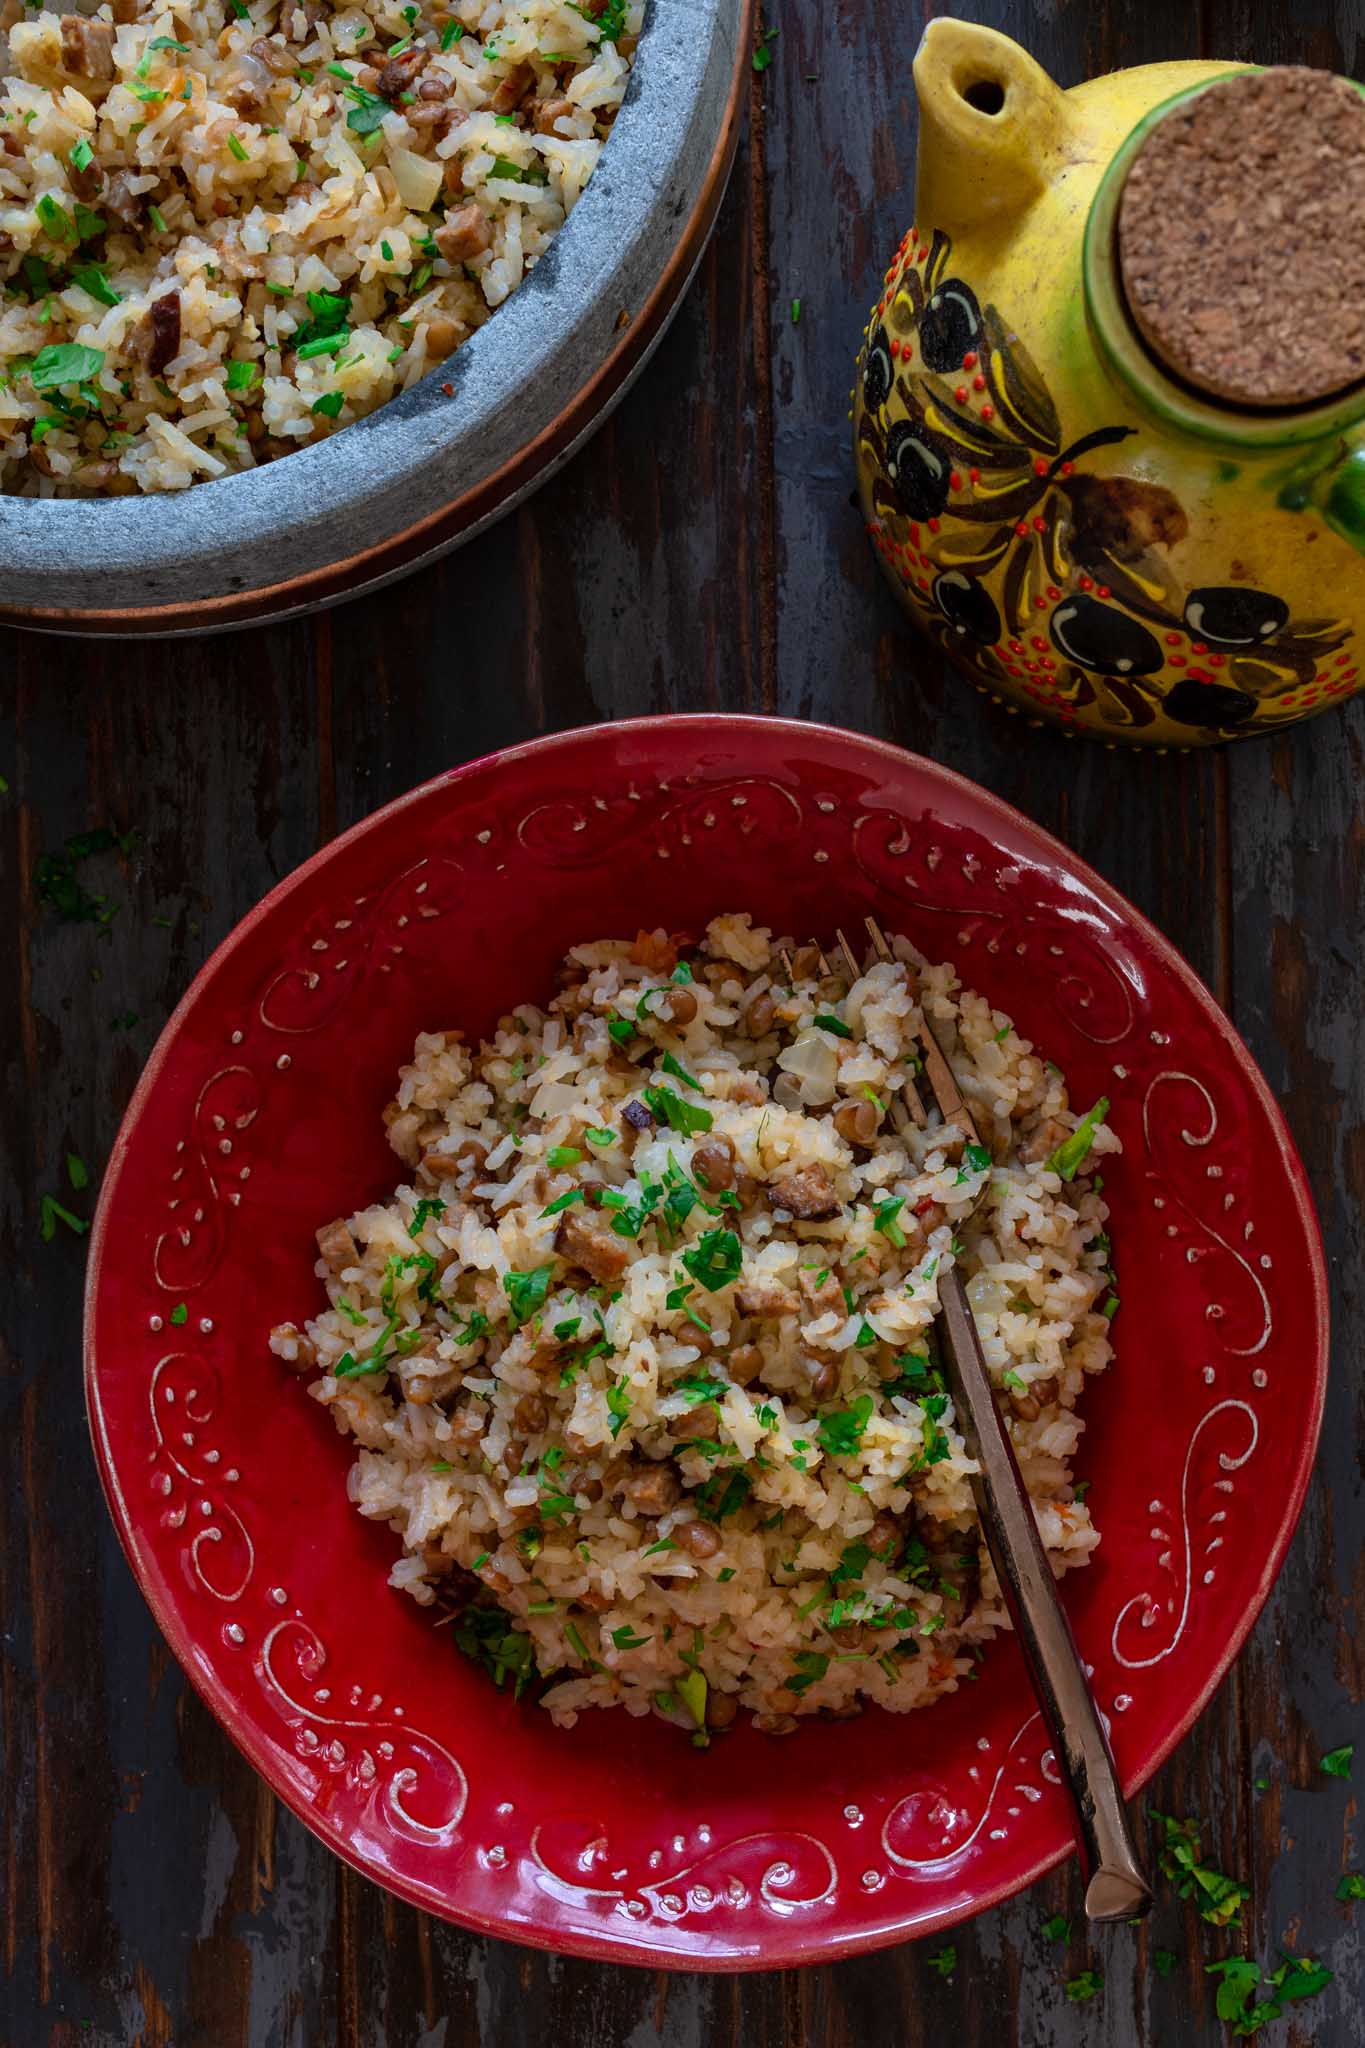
993	126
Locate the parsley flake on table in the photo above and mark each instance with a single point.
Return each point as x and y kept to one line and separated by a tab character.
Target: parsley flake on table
1351	1885
1337	1762
1241	1978
1164	1961
763	55
1058	1928
1088	1985
944	1960
53	1213
1218	1897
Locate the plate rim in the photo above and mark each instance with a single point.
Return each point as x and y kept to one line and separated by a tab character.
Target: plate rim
600	1946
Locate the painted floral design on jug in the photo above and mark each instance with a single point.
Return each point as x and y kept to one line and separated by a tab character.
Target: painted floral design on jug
1071	551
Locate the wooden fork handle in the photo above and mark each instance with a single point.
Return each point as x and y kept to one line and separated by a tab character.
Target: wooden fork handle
1116	1887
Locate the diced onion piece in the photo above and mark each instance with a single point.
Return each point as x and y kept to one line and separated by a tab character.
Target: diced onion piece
814	1063
553	1098
986	1295
418	179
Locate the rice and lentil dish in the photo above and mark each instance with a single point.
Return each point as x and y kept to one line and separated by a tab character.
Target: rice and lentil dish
230	227
639	1360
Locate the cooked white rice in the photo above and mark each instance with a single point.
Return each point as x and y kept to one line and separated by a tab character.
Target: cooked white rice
315	219
728	1474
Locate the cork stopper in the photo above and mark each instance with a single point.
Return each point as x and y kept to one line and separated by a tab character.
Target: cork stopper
1242	238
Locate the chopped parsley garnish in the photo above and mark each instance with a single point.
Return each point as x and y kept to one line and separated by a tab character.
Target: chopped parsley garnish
1088	1985
665	1543
943	1960
526	1292
529	174
618	1405
679	1071
368	112
837	1025
812	1666
563	1201
80	154
669	1108
621	1029
486	1635
94	278
1337	1762
884	1217
697	1389
976	1158
1164	1961
427	1208
840	1433
348	1366
1058	1928
626	1639
1351	1886
330	404
723	1494
914	1377
1073	1152
77	1172
1218	1897
763	54
576	1642
56	219
180	1314
568	1328
715	1259
67	362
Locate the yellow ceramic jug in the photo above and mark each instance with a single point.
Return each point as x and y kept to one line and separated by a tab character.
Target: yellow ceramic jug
1089	538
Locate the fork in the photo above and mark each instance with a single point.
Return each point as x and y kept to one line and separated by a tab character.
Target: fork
1116	1887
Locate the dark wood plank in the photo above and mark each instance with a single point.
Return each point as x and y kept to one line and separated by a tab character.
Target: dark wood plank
702	553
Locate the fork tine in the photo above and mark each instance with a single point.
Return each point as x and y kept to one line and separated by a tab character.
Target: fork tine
942	1081
847	951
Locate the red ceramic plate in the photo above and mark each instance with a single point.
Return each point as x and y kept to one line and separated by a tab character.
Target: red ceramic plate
259	1114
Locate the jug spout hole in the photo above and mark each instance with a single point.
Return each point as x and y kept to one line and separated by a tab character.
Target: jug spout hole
987	95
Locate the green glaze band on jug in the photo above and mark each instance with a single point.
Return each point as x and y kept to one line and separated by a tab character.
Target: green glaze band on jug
1088	539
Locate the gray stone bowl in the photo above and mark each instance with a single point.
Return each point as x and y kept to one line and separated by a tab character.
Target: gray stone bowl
439	463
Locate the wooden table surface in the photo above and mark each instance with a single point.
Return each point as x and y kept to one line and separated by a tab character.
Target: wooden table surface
701	554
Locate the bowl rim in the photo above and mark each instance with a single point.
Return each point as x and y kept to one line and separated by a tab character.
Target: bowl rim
435	462
595	1945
